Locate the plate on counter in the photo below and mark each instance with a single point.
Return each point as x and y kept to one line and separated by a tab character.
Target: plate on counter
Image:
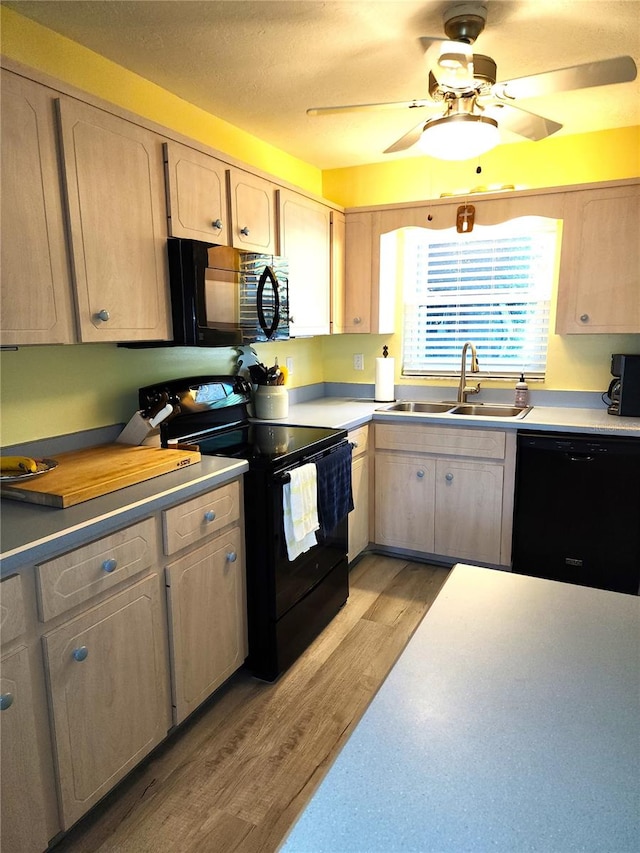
44	466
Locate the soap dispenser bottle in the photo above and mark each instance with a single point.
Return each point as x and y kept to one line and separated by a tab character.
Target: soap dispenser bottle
522	393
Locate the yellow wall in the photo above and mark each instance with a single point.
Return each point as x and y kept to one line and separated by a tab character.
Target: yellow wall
55	390
557	161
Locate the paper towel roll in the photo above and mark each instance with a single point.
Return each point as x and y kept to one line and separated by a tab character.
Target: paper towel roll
385	372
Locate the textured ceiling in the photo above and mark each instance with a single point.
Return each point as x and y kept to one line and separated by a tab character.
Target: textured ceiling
260	65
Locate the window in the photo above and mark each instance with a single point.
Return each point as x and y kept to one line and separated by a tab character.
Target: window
491	287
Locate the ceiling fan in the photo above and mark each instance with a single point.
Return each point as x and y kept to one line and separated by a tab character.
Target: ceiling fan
469	102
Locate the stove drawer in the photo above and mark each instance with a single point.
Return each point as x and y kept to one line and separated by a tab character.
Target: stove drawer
198	518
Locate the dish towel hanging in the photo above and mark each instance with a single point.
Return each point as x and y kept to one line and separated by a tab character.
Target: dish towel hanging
335	498
300	510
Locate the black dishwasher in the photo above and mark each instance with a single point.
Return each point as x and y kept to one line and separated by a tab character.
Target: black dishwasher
577	510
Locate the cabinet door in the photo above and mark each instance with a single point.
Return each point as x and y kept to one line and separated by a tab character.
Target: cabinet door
252	206
207	604
359	517
338	239
305	240
404	510
197	194
36	290
114	174
358	266
24	823
109	697
468	510
598	290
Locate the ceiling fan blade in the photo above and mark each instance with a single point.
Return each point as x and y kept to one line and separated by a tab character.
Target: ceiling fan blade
407	140
523	123
621	69
359	108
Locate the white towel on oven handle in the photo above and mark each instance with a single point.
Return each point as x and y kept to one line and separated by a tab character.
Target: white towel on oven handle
300	510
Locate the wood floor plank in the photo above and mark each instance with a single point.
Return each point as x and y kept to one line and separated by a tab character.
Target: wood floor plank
235	777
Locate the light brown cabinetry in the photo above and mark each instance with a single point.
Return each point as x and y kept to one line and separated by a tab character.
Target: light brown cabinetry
196	194
37	306
446	492
206	595
305	240
108	693
114	173
599	285
360	486
253	212
338	248
27	796
369	293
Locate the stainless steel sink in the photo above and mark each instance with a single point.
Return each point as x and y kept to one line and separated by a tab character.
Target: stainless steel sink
488	411
417	407
479	410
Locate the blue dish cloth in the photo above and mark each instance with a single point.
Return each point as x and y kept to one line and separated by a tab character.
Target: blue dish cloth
335	498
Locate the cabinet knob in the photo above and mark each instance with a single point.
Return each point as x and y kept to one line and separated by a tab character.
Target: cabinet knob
244	231
584	318
291	320
80	653
448	477
354	444
209	515
420	474
232	557
6	701
110	565
357	321
103	315
217	223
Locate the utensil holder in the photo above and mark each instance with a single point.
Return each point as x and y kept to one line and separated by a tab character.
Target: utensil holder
271	402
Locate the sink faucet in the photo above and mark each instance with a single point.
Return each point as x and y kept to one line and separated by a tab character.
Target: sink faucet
463	388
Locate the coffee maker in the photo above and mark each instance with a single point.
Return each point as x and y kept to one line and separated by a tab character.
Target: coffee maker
624	389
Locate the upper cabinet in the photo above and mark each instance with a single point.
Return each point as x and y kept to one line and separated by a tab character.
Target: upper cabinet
369	295
599	286
338	246
114	173
253	211
305	240
196	194
37	305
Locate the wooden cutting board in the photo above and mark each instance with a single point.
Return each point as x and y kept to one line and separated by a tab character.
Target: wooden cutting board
94	471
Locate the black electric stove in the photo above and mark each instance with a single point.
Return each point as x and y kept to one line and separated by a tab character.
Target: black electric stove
288	602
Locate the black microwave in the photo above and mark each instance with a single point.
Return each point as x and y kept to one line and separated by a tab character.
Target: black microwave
221	296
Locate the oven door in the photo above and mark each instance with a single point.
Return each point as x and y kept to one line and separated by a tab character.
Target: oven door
293	580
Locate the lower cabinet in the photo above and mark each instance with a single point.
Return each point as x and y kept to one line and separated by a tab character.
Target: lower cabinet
207	624
23	824
445	492
360	485
108	687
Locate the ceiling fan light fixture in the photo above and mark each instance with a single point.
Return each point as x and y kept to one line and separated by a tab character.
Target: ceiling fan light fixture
461	136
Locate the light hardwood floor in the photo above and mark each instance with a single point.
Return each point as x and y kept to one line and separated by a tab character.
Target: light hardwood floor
240	770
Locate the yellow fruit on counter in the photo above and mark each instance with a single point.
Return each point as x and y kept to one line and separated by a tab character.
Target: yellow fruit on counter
18	464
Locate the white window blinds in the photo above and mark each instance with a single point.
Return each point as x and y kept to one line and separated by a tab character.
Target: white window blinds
491	287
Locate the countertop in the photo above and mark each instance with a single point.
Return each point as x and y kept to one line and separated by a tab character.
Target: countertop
30	532
510	723
349	413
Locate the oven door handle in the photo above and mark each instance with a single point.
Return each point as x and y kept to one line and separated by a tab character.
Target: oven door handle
286	477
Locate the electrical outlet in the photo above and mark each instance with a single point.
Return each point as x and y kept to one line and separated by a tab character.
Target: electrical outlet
358	361
289	365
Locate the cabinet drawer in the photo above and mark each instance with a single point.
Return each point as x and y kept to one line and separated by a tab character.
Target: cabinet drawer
484	443
360	439
194	520
79	575
12	616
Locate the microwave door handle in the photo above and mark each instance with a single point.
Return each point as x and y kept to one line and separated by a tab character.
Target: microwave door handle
268	275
